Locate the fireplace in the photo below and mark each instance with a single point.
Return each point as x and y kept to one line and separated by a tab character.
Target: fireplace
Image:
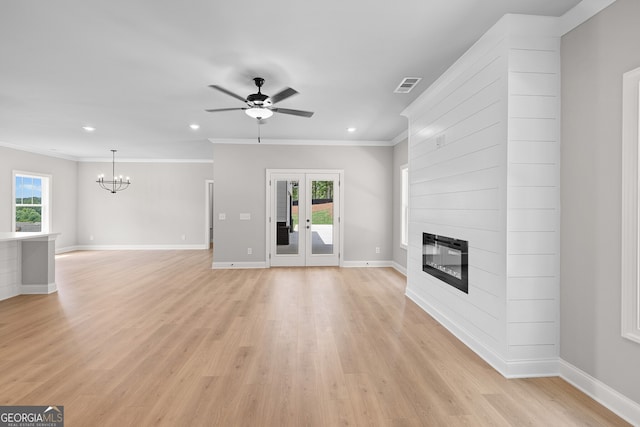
446	258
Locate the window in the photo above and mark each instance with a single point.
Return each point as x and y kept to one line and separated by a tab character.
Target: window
404	203
30	202
630	206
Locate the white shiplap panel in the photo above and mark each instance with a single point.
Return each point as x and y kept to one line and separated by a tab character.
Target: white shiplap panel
488	71
541	84
532	352
460	165
534	61
526	175
533	197
522	129
480	199
534	152
542	265
551	44
532	333
543	220
486	301
488	261
476	102
481	220
475	140
478	180
532	243
453	302
533	287
488	282
526	311
534	106
493	180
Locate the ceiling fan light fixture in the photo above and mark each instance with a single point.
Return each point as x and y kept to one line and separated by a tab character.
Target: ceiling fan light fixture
259	113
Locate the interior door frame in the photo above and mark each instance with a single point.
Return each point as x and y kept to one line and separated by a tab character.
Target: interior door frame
268	207
208	212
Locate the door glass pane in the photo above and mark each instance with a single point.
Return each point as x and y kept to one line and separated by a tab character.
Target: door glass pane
287	221
322	217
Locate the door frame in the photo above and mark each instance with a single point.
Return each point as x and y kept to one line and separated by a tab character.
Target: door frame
340	223
208	213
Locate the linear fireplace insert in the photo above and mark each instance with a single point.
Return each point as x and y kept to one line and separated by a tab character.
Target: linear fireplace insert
446	259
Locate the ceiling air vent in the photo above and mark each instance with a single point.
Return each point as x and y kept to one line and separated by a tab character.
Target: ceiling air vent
407	84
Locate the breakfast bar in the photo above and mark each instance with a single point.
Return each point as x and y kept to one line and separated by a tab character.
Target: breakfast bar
27	264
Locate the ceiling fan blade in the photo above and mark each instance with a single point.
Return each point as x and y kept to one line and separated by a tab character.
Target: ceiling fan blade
228	92
282	95
293	112
215	110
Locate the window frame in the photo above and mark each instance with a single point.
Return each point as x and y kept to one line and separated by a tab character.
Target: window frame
45	201
630	279
404	206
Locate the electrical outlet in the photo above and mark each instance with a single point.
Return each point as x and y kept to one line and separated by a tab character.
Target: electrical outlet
249	251
91	237
222	216
184	237
377	250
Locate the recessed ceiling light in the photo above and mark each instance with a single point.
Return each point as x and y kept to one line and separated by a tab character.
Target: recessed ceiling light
88	128
194	126
351	130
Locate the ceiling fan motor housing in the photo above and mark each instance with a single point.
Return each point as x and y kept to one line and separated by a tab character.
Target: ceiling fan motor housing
258	100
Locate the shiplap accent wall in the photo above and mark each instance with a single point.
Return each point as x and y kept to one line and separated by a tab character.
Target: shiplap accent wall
10	274
484	167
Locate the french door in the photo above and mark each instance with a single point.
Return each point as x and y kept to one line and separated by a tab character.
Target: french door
304	218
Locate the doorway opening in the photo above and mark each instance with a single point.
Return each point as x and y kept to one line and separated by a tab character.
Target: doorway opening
208	214
304	213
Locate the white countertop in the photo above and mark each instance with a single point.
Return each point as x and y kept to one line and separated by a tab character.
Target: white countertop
10	236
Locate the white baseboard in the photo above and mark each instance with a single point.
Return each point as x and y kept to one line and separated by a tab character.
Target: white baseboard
507	368
38	289
400	269
594	388
67	249
480	349
9	292
600	392
359	264
237	265
139	247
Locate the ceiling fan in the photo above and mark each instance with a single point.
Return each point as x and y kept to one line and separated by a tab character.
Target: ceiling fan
260	106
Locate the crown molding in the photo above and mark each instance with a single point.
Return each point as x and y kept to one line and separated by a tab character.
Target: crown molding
325	142
581	13
401	137
42	152
125	160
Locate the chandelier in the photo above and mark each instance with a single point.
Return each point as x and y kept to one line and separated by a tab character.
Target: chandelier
118	184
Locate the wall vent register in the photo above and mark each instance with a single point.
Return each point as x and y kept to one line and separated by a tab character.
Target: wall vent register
447	259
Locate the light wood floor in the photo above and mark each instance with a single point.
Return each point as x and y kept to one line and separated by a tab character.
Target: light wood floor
157	338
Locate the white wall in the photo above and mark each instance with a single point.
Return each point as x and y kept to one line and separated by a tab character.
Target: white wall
594	57
483	167
63	190
165	202
239	174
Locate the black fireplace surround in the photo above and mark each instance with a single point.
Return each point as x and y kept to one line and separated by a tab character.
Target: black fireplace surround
447	259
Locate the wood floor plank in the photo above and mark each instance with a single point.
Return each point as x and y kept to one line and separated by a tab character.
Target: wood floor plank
157	338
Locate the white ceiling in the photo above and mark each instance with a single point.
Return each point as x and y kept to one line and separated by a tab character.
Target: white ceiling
138	70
